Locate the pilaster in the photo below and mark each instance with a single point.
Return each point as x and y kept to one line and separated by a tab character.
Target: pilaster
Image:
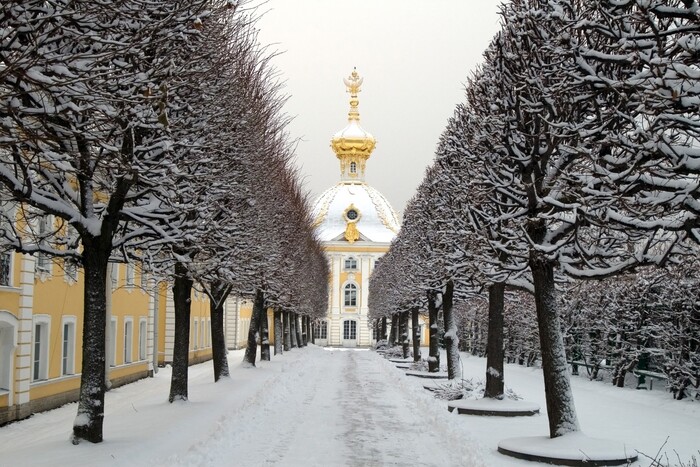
23	355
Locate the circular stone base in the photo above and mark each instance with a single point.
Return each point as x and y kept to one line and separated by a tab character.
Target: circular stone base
497	407
571	449
425	374
403	366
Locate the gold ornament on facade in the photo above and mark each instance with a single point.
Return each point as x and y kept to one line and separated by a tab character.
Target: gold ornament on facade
351	232
352	216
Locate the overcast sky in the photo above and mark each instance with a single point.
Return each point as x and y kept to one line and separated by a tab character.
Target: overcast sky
414	56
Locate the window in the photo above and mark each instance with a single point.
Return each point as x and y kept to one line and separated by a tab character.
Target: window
208	333
351	263
143	334
112	343
321	330
43	261
8	338
144	278
195	334
114	273
350	295
6	214
5	268
130	274
68	347
353	167
128	339
202	333
375	332
40	348
349	330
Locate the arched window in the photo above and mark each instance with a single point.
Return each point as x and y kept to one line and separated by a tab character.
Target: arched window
350	295
350	263
353	167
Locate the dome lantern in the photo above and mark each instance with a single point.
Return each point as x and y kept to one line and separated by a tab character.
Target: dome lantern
353	145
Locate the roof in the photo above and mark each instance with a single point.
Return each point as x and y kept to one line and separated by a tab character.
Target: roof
377	220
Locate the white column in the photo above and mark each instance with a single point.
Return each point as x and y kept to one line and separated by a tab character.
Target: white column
169	324
335	272
23	353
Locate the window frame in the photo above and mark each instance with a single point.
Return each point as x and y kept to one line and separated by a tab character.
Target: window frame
114	275
349	329
40	355
130	278
321	329
350	295
43	261
68	345
350	263
128	351
143	339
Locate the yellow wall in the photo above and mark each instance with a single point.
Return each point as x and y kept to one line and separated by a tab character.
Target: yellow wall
59	297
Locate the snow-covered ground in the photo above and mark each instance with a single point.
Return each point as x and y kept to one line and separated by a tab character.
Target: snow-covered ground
318	407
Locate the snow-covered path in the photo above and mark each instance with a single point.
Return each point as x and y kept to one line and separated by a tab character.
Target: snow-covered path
340	408
334	408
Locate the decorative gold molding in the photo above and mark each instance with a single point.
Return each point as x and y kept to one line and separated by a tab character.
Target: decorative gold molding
351	232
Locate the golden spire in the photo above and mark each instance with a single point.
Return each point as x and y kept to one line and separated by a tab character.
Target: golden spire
353	145
353	83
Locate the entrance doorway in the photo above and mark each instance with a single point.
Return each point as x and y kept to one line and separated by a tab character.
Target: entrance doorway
350	333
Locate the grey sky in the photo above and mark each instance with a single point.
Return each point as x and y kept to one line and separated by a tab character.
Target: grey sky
414	56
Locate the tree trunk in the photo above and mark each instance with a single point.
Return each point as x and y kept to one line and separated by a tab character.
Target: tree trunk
557	388
382	336
297	328
182	292
287	334
416	334
494	346
304	331
90	418
312	339
404	333
251	350
219	292
394	328
434	353
279	333
293	328
451	340
264	337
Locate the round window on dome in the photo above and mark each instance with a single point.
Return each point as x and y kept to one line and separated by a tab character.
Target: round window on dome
351	214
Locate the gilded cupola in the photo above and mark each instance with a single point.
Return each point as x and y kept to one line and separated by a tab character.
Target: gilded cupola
353	145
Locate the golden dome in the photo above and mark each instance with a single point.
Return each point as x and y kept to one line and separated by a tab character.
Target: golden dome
353	145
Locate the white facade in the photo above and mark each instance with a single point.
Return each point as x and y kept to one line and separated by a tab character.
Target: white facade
356	225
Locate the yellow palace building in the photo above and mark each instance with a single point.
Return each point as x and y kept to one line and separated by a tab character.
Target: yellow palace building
41	308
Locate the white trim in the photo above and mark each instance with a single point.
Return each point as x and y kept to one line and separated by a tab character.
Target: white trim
114	276
69	368
357	294
44	324
143	339
128	355
9	325
112	342
130	279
